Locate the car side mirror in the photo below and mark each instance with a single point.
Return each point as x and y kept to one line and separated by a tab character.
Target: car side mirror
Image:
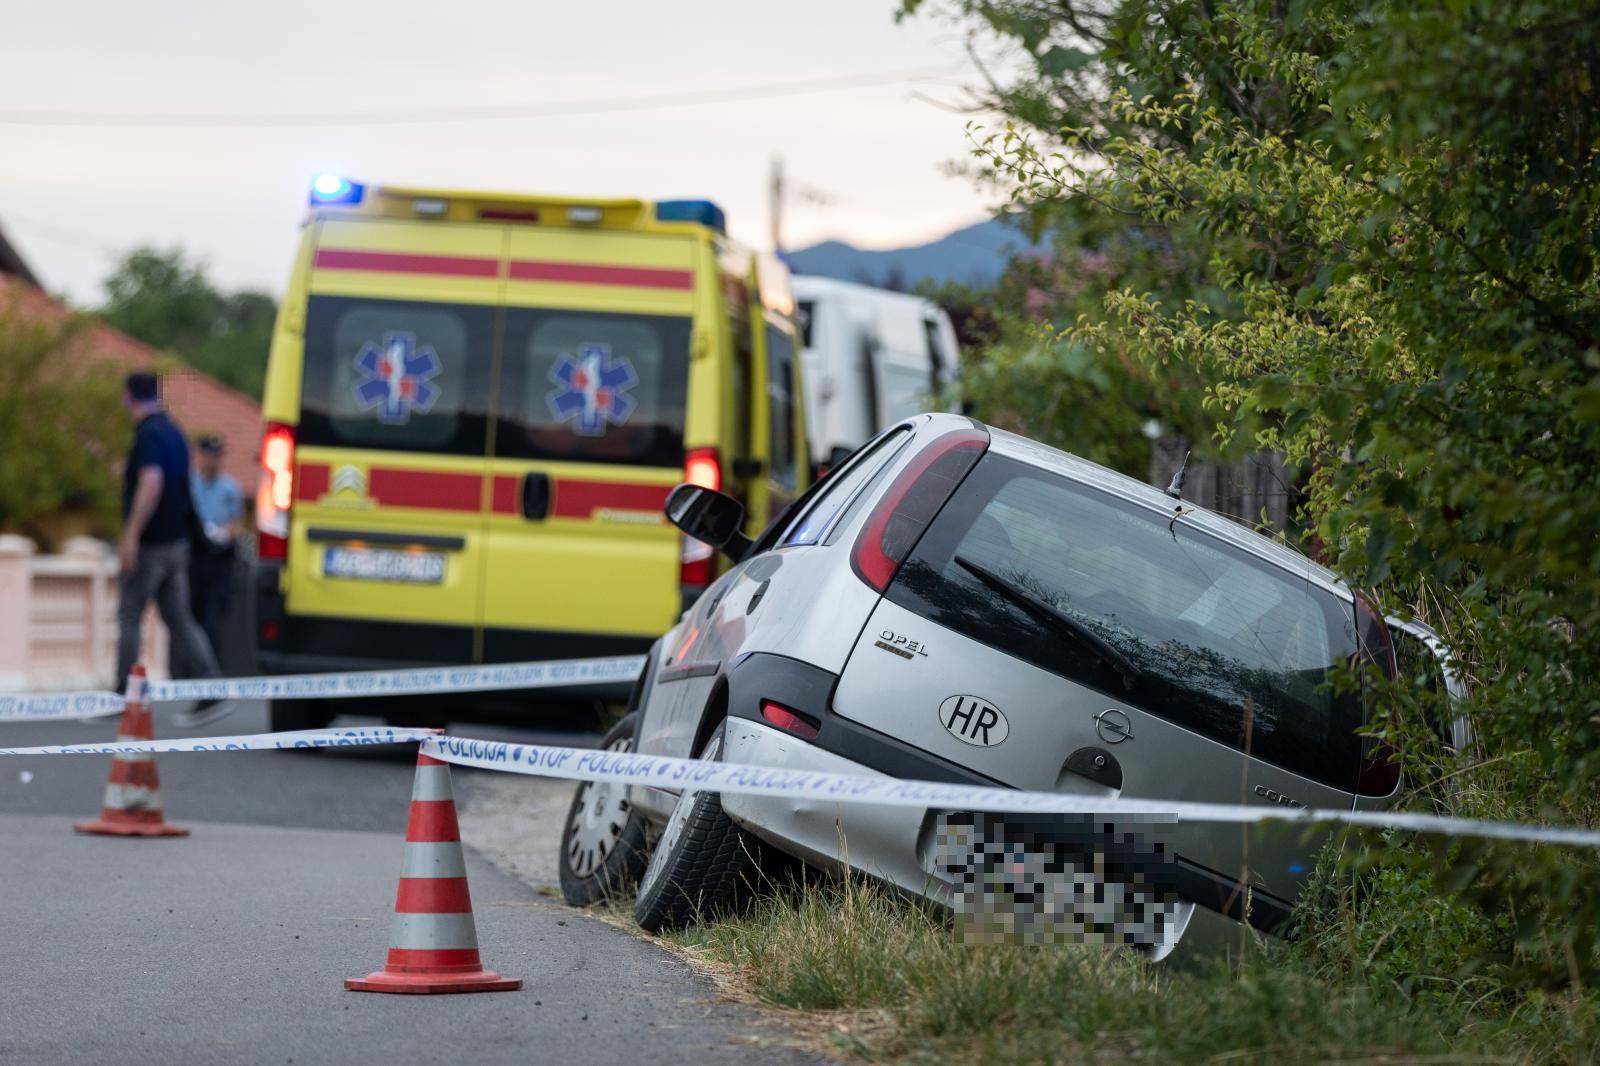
709	517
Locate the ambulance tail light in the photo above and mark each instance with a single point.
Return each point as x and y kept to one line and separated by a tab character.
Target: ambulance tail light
703	467
275	496
911	502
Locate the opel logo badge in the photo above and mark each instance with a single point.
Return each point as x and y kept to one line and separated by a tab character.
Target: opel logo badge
1113	726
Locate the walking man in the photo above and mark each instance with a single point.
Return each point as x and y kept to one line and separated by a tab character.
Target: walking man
153	552
219	505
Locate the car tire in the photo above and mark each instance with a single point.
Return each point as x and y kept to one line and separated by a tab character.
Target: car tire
290	715
605	843
703	864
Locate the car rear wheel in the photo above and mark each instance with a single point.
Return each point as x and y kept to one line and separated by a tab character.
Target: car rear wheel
703	865
604	843
291	715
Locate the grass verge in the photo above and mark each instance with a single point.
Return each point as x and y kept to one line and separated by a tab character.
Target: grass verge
894	982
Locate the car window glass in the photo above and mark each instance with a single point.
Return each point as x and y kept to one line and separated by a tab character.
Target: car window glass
936	356
399	375
1221	642
780	401
902	390
806	319
593	387
841	486
1421	671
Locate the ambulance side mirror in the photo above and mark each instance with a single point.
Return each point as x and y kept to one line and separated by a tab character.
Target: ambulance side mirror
710	517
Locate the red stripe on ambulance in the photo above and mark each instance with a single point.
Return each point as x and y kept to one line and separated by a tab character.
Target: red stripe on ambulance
312	483
580	499
430	489
599	274
407	263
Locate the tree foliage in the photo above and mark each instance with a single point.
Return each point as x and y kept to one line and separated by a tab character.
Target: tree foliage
1393	207
165	299
61	425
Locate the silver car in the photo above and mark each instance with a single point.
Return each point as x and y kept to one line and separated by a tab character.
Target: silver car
955	603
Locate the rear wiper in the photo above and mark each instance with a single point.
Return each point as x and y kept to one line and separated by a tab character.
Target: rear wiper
1058	619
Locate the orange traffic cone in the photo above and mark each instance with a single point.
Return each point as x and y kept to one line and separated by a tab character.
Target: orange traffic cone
434	945
133	793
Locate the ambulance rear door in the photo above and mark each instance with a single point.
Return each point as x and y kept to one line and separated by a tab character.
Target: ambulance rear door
588	438
385	558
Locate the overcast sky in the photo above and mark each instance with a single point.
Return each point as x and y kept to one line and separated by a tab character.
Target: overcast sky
71	197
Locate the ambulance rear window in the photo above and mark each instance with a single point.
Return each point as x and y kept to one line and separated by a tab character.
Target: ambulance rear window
593	387
396	375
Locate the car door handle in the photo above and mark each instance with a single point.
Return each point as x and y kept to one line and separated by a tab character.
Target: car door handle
536	495
756	597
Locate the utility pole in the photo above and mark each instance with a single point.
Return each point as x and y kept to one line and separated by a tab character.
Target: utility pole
775	203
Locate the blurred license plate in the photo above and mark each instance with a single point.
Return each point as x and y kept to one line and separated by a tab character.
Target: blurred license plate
378	564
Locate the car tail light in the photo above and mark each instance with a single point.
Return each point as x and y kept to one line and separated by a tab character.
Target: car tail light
911	502
1380	771
790	720
275	496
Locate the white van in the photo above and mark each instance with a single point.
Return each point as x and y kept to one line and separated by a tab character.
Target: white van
870	358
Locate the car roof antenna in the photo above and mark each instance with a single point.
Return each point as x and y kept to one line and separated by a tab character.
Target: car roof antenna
1175	488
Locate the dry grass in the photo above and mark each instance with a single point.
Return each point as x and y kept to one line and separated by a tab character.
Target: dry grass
879	979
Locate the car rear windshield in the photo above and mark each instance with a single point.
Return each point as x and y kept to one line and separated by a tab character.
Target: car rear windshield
1193	629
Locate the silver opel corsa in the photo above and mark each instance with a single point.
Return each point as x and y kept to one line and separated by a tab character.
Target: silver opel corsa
955	603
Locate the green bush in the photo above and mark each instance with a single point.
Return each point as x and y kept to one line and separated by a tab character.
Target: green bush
1393	206
61	425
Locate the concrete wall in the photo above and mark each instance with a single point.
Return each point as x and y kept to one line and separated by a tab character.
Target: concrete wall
58	618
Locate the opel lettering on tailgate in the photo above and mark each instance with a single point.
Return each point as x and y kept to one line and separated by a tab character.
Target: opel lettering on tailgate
974	720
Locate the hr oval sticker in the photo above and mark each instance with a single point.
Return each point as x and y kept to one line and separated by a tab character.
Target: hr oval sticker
973	720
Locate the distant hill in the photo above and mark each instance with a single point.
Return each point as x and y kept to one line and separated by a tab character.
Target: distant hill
975	255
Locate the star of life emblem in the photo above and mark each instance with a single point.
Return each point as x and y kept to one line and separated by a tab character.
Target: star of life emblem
592	390
396	378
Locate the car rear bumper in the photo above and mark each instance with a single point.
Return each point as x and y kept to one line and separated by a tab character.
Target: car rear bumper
884	842
895	844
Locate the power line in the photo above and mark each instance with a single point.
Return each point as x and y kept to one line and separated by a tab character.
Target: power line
57	234
471	113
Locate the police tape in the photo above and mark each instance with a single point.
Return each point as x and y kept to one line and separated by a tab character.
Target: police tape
51	706
428	681
584	764
662	771
366	736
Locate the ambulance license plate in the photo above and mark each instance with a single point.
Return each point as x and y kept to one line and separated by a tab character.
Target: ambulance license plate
378	564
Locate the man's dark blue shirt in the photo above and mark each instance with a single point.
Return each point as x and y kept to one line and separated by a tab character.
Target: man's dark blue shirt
157	441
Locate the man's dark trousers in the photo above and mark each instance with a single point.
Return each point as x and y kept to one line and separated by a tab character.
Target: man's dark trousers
211	590
162	574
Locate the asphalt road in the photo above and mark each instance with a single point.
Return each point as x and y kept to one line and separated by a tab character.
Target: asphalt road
232	944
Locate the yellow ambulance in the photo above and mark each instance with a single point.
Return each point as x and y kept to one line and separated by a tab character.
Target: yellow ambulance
475	406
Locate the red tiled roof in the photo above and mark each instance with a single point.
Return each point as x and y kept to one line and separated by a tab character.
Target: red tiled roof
200	404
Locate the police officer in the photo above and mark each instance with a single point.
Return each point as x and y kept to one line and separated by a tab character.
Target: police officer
219	508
